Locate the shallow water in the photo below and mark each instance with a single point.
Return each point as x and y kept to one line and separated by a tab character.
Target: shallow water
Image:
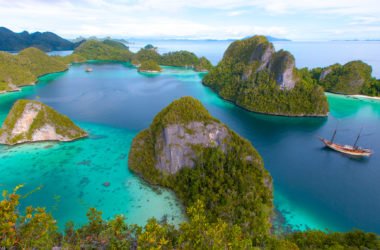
314	187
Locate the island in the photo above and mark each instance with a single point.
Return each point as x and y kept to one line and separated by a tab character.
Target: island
352	78
149	66
33	121
203	65
25	68
107	50
46	41
200	158
145	54
257	78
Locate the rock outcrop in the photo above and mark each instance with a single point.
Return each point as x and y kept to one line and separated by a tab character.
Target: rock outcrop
200	158
175	144
256	77
178	131
33	121
262	56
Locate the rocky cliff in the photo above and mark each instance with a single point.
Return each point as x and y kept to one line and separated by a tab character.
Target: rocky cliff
175	144
256	77
198	157
33	121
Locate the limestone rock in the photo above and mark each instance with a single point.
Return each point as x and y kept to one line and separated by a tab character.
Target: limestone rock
32	121
174	145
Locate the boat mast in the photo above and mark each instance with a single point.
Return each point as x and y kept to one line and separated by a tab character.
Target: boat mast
357	139
333	137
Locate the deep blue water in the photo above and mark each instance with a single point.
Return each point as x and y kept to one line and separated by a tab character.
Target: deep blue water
314	187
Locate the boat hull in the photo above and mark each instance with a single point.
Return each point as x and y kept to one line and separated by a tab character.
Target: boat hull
348	150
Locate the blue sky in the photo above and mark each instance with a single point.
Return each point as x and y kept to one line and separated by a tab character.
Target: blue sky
212	19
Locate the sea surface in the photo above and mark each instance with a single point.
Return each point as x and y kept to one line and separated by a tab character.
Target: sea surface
313	187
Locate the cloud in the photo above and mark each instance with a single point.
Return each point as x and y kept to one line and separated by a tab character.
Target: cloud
181	18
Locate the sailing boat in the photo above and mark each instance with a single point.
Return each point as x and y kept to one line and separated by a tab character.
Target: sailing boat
347	149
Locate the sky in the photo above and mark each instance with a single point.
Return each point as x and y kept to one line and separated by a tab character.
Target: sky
303	20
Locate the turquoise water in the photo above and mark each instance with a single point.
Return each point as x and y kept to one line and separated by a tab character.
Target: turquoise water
314	187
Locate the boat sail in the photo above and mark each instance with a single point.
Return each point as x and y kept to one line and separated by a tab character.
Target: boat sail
347	149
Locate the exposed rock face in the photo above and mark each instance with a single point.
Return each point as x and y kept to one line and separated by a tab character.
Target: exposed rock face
32	121
324	73
174	148
261	52
283	67
256	77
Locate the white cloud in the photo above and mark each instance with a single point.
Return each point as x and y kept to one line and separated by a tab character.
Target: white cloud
168	18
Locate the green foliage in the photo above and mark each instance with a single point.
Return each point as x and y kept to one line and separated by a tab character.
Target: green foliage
354	240
371	88
150	66
233	185
150	47
352	78
241	78
73	58
179	58
24	68
146	55
182	111
203	65
240	51
40	63
36	229
96	50
115	44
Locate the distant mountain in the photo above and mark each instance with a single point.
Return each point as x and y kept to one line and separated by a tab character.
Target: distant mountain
47	41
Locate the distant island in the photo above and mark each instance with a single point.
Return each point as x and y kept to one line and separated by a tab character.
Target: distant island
256	77
33	121
352	78
25	68
46	41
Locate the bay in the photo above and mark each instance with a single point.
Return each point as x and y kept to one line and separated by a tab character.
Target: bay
313	187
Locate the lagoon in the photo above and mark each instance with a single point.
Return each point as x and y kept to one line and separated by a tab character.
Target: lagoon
314	187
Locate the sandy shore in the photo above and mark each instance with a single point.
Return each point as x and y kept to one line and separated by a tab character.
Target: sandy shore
365	97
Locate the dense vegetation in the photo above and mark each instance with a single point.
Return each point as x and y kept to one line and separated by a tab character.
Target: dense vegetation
203	65
115	44
351	78
249	75
179	58
46	41
106	50
233	185
149	66
35	228
26	67
46	115
145	55
72	58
